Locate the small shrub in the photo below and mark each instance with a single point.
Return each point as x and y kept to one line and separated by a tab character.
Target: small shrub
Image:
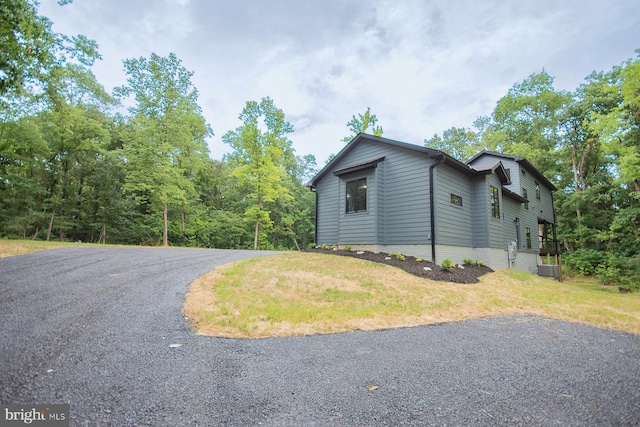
418	259
325	246
448	265
468	261
348	248
400	257
391	254
480	263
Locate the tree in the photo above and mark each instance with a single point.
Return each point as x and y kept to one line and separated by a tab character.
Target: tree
459	143
361	124
166	145
525	122
261	159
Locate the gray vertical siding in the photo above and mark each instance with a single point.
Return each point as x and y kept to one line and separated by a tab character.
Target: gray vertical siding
454	224
358	227
398	205
480	212
327	213
496	226
397	199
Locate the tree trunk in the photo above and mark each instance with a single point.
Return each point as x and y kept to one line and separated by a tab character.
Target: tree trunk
165	239
255	236
53	214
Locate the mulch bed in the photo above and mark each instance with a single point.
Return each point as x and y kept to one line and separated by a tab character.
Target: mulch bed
461	274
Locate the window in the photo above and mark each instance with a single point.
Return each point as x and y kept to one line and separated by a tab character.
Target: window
357	195
528	230
508	171
495	202
456	200
525	194
537	190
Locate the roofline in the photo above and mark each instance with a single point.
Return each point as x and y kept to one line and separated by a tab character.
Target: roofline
517	159
429	152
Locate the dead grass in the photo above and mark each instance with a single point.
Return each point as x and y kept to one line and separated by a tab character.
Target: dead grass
21	247
307	293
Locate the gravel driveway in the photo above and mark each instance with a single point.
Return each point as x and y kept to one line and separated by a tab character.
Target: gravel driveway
92	327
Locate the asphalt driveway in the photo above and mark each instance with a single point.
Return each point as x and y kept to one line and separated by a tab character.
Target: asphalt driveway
93	327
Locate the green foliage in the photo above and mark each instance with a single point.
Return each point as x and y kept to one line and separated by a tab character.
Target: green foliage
348	248
361	124
400	257
448	265
419	259
480	263
468	261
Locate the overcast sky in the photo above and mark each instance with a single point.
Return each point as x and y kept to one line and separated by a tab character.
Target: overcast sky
422	66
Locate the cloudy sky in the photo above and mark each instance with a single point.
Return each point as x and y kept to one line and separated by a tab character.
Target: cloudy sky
421	66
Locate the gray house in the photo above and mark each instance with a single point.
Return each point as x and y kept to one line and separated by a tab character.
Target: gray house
383	195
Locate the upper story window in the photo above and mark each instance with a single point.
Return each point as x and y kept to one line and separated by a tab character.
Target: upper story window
537	190
508	171
525	194
357	195
456	200
495	202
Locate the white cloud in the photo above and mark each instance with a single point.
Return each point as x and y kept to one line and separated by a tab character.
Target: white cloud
422	67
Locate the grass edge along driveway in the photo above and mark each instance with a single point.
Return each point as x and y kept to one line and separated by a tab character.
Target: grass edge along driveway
306	293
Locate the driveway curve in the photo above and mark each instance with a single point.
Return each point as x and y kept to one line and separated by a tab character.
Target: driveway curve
94	327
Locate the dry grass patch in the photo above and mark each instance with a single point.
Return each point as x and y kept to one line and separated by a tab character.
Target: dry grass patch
309	293
21	247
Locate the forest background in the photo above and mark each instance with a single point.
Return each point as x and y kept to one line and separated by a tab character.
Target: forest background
74	166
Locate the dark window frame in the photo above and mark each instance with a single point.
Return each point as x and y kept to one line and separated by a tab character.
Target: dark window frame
537	190
354	199
456	200
528	234
525	194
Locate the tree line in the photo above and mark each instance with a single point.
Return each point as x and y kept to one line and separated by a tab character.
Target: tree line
73	169
587	142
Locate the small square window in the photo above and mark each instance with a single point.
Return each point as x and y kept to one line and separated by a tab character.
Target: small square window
456	200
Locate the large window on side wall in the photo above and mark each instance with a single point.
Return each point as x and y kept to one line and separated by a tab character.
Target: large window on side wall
357	195
495	202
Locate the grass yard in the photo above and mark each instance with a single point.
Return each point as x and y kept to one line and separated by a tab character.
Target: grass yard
308	293
21	247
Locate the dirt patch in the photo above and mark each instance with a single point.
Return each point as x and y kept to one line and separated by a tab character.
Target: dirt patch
426	269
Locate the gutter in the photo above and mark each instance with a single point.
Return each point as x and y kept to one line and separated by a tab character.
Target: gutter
432	205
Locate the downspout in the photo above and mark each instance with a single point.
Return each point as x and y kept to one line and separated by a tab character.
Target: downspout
432	206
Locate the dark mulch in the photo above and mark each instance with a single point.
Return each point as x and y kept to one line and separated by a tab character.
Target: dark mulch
461	274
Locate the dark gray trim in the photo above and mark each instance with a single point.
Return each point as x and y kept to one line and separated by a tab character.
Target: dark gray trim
361	166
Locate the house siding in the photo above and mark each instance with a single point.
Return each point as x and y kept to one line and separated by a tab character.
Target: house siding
481	212
358	227
399	212
496	225
327	213
454	224
397	216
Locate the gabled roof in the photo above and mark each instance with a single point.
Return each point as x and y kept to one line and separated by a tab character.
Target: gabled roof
518	159
362	137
